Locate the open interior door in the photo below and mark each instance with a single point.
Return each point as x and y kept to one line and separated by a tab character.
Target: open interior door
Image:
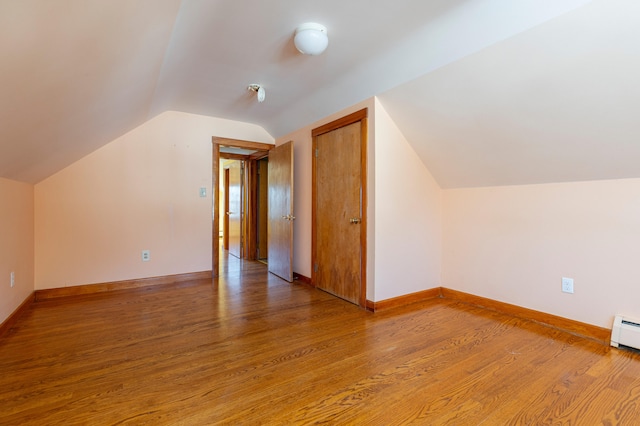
280	223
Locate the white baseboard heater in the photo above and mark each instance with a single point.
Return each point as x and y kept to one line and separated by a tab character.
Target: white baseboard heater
625	332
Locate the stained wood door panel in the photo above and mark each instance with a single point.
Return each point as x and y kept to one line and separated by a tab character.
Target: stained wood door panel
225	219
280	223
263	203
339	212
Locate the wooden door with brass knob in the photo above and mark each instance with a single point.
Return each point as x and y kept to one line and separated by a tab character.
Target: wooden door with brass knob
280	216
339	200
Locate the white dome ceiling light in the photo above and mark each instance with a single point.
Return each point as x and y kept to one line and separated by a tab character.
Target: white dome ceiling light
259	91
311	38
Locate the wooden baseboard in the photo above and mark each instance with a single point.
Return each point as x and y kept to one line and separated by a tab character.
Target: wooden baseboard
54	293
589	331
600	334
302	278
406	299
11	320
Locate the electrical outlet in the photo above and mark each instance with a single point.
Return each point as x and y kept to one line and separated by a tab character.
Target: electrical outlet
146	255
12	279
203	192
567	285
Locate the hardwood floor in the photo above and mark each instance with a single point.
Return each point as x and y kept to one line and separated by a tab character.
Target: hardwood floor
249	348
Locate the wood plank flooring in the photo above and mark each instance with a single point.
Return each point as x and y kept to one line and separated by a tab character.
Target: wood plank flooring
249	348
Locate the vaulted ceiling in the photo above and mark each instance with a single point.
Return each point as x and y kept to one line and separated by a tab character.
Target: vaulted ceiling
488	92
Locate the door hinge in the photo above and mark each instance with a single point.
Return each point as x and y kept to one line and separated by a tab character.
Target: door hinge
317	150
315	268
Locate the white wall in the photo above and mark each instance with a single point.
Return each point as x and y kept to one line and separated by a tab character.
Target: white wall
514	243
139	192
511	244
408	210
16	244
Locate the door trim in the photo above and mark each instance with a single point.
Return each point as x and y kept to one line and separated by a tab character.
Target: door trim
216	155
358	116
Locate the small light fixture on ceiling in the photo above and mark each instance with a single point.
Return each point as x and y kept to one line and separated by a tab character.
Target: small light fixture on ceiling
311	38
259	91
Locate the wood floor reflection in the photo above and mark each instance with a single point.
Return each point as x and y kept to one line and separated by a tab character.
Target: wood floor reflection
249	348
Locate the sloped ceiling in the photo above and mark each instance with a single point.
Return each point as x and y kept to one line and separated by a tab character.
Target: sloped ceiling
559	102
74	75
487	91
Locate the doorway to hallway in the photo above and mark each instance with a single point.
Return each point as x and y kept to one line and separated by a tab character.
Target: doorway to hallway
247	194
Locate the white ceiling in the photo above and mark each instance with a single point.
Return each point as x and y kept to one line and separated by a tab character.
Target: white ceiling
559	102
486	91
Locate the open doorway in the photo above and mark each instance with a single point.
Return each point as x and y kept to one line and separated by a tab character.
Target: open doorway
260	237
278	198
244	186
232	206
235	195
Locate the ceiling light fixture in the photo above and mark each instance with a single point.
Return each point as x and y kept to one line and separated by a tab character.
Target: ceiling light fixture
311	38
259	91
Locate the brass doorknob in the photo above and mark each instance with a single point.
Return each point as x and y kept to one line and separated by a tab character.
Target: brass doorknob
354	220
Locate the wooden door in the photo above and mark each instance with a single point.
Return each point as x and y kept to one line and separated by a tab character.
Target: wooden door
262	219
339	231
280	225
225	221
234	213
